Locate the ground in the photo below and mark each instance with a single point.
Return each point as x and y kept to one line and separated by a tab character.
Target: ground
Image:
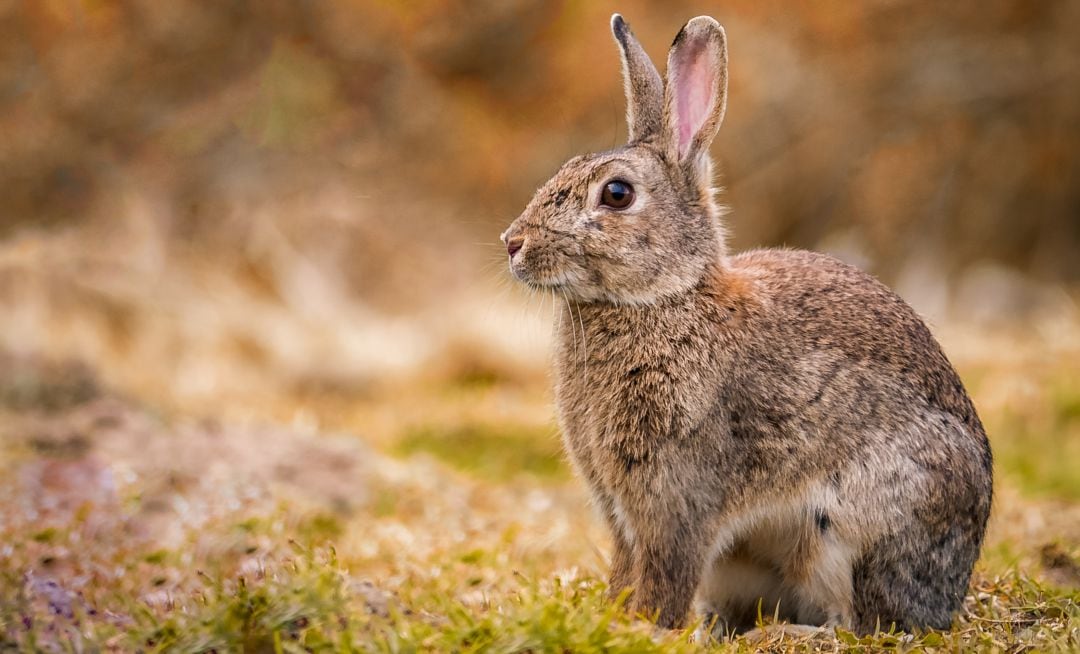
430	514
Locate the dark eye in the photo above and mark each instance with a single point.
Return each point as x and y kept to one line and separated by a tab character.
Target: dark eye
617	195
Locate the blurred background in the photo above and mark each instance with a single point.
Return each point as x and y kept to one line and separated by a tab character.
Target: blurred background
252	293
200	198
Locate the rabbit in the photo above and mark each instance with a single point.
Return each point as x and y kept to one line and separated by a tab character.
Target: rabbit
770	431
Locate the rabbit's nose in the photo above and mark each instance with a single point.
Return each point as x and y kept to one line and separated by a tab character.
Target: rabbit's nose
514	244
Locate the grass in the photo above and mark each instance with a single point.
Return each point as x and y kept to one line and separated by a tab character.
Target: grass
497	453
123	530
306	599
1038	447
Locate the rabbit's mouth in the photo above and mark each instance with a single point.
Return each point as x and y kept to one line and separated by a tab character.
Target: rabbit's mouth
559	282
555	281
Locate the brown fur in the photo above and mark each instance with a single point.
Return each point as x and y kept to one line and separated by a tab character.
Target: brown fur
773	425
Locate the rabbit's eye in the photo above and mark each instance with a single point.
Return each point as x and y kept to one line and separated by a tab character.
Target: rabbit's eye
617	195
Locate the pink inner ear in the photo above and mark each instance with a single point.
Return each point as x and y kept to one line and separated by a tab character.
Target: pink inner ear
694	93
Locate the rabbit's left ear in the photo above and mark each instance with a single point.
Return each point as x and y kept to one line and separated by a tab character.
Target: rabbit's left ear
696	93
644	89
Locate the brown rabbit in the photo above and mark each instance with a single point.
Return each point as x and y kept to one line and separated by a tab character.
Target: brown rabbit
773	426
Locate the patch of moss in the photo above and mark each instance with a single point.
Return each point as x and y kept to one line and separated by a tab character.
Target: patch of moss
492	452
320	528
1041	456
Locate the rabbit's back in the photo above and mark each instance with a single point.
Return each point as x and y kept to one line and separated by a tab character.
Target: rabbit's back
816	317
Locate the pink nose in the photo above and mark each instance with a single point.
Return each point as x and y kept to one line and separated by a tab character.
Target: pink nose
514	244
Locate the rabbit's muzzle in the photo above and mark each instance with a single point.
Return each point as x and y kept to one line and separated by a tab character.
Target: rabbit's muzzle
514	240
548	258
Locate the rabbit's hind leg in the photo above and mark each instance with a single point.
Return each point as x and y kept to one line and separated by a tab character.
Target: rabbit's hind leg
916	578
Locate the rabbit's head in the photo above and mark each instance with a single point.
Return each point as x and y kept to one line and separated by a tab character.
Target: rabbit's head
639	222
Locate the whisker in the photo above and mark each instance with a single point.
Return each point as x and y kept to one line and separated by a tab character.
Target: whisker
573	330
584	345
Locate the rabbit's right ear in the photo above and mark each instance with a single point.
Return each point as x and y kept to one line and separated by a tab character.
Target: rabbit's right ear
696	90
644	88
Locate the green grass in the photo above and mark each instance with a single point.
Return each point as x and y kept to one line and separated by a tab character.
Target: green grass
1038	447
306	600
495	453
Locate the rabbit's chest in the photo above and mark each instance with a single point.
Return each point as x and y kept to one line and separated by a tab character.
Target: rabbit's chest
615	412
626	387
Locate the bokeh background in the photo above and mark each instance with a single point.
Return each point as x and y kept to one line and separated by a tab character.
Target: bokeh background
251	194
229	228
